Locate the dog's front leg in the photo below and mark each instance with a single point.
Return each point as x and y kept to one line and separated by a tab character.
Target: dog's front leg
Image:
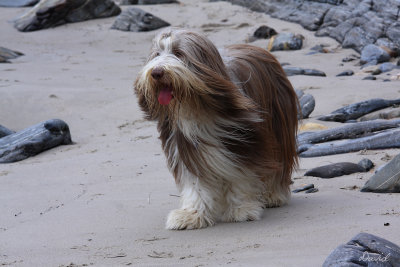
199	205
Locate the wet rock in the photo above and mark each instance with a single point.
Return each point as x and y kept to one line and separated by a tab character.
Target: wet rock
386	180
304	188
290	71
385	67
6	54
386	114
356	110
33	140
52	13
365	250
264	32
381	140
17	3
138	20
285	41
4	131
307	105
373	53
147	2
345	73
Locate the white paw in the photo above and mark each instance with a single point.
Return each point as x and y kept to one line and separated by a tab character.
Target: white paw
246	212
182	219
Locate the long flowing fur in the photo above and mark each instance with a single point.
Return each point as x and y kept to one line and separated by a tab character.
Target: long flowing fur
229	131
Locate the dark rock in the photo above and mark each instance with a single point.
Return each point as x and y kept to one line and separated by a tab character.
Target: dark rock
304	188
147	2
17	3
290	71
51	13
6	54
385	67
367	164
4	131
307	105
350	58
345	73
335	170
372	52
365	250
285	41
33	140
376	72
386	180
264	32
138	20
382	140
369	78
356	110
311	190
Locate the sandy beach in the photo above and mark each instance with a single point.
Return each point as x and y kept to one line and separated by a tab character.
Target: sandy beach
103	201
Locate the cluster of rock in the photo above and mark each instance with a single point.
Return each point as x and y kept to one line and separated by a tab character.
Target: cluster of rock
354	23
51	13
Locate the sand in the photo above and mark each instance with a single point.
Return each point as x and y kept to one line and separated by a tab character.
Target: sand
103	201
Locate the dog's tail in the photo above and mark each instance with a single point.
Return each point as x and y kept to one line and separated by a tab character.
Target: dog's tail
262	79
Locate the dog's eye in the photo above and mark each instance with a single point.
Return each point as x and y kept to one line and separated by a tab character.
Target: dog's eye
177	53
157	54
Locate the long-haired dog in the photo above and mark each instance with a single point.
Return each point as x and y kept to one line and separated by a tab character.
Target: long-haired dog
227	124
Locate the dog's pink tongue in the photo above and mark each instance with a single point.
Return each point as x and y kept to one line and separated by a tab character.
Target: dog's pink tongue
165	96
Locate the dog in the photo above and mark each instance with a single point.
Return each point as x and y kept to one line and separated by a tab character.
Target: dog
227	122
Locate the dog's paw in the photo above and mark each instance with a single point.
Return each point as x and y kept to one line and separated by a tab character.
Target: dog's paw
249	212
182	219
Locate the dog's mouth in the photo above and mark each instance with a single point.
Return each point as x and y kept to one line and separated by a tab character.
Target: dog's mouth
165	95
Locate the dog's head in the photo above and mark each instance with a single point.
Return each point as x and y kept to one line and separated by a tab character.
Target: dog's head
184	69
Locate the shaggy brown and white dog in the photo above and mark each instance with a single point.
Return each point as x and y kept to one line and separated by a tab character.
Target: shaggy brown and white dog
227	123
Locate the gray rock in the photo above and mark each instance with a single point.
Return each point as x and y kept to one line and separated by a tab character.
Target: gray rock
290	71
52	13
307	105
367	164
4	131
311	190
264	32
386	114
372	52
365	250
356	110
385	67
6	54
381	140
138	20
17	3
386	180
304	188
147	2
335	170
345	73
33	140
286	41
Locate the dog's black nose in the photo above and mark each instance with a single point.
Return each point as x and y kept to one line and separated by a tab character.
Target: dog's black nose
157	73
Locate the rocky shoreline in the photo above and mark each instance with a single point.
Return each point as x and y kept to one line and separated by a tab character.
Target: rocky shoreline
353	23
